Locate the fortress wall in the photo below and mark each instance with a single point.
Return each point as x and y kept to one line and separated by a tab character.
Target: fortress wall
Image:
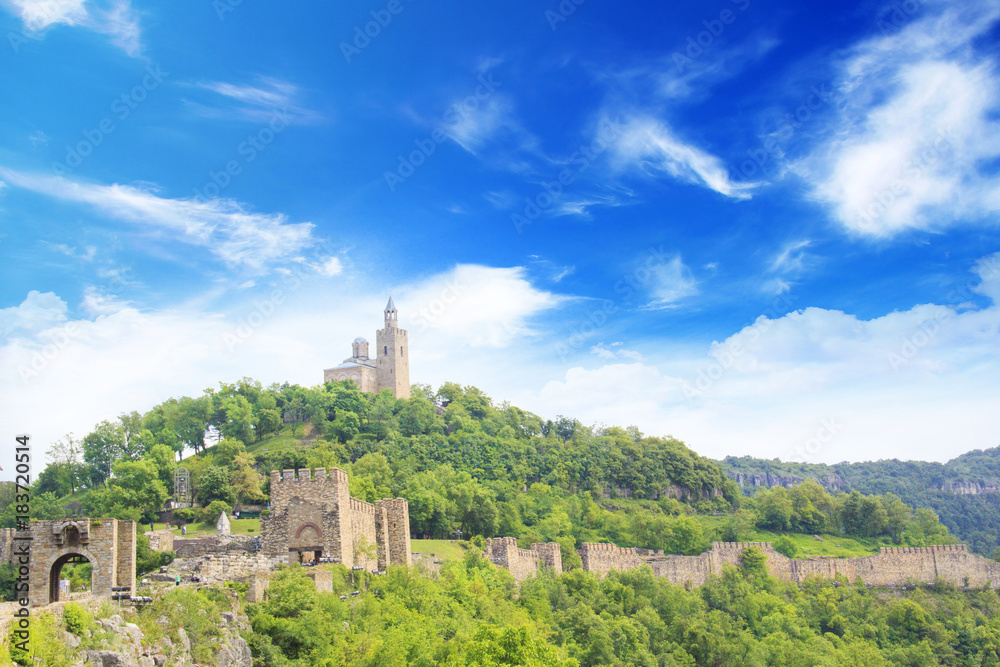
382	535
314	508
397	514
693	570
523	563
365	544
602	558
894	566
550	555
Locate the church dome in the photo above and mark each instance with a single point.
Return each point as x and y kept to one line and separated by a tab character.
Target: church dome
360	339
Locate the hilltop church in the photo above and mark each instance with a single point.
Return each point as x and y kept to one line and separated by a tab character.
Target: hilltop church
390	369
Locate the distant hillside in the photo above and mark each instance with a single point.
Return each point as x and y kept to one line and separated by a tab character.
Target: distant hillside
965	492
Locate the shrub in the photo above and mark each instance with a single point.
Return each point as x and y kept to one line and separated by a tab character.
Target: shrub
76	618
785	546
185	514
211	513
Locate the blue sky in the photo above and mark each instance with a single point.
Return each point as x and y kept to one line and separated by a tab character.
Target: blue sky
763	228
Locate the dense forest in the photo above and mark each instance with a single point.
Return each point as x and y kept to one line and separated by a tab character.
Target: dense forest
964	492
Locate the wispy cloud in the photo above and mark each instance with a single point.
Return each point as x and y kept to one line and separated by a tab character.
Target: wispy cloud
224	227
671	282
650	145
912	146
87	254
115	18
792	258
255	101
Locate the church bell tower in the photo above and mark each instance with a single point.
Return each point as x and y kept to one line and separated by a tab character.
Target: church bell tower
392	352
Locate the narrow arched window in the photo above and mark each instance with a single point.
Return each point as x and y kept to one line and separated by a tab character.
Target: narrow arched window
401	351
385	349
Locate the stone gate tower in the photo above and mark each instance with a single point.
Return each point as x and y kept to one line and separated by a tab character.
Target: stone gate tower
392	367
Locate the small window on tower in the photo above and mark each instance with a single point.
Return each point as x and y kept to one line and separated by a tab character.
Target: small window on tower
385	349
400	351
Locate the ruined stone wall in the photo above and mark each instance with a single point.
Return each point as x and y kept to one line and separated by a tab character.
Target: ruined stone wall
397	530
382	535
522	563
601	558
313	510
364	537
891	566
160	540
109	545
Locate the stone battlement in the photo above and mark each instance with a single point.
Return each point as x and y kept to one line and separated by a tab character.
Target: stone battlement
362	506
306	475
892	566
936	549
522	563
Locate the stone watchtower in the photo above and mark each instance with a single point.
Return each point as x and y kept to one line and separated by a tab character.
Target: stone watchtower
392	351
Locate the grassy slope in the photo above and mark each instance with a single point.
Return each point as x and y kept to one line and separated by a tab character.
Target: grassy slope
443	549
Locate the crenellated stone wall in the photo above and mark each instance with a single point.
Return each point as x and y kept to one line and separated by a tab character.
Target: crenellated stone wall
601	558
312	512
891	566
522	563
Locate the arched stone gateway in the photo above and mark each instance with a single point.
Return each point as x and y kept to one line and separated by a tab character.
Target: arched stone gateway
109	545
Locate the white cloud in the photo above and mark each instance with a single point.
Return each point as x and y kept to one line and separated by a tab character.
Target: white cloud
87	254
918	384
36	313
96	302
917	127
615	351
652	146
131	359
114	18
481	305
331	267
223	226
671	282
792	258
488	122
257	102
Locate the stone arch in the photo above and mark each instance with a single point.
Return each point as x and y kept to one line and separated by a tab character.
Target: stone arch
108	544
55	564
307	544
308	532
